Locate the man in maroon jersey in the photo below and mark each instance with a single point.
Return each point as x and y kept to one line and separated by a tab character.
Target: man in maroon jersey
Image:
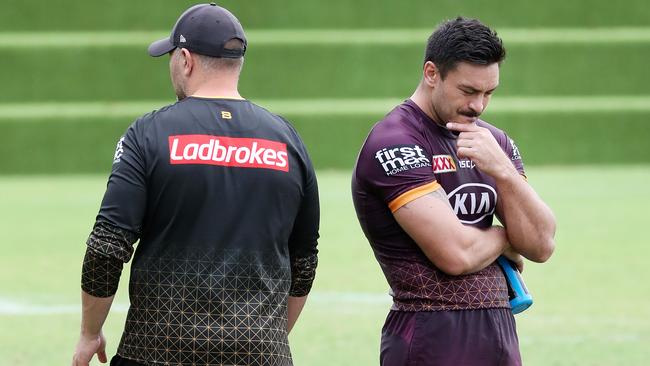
428	181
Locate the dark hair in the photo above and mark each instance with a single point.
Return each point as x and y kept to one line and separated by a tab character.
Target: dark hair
463	40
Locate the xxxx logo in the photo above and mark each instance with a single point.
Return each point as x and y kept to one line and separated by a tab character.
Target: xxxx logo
443	164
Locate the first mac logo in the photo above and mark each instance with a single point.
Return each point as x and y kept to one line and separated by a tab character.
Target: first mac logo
228	151
401	158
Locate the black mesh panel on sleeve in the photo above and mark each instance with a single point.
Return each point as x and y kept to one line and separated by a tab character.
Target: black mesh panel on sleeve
109	247
303	271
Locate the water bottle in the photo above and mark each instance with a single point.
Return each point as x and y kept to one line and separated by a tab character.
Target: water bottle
520	298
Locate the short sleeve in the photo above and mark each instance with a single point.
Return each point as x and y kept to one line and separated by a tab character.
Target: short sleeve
397	168
125	198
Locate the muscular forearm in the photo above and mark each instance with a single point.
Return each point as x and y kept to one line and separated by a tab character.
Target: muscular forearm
454	248
529	222
94	313
294	308
482	247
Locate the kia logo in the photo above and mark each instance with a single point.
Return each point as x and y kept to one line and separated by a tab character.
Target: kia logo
472	202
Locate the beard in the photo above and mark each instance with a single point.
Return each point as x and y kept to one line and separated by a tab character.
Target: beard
179	87
176	77
180	93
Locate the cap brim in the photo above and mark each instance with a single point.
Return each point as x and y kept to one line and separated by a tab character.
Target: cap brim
160	47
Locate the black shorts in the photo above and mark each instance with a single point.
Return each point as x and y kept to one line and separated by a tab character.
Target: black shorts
483	337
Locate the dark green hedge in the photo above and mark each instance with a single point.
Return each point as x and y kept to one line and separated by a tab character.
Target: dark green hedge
323	71
152	14
82	146
353	71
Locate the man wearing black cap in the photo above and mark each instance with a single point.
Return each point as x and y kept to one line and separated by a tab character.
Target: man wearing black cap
222	196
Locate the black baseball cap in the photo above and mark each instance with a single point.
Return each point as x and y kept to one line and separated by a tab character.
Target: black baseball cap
203	29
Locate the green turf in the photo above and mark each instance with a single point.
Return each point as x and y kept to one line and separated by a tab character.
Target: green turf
320	71
148	14
590	298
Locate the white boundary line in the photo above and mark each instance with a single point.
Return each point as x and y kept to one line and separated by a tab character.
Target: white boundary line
325	107
328	36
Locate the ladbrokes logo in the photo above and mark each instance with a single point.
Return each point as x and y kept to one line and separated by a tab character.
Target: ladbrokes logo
401	158
443	164
228	151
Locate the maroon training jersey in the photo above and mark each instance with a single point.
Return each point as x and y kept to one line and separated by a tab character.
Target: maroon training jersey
406	156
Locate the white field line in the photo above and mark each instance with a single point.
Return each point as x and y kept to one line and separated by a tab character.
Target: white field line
327	36
22	307
324	107
360	301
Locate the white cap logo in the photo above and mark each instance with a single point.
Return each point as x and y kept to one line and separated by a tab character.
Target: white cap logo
182	39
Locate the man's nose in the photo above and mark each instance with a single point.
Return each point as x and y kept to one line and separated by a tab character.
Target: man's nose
477	105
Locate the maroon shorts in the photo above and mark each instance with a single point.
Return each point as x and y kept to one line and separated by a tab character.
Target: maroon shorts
483	337
119	361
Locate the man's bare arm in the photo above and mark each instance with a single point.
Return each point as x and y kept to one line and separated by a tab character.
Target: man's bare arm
91	340
294	308
454	248
108	248
94	313
530	223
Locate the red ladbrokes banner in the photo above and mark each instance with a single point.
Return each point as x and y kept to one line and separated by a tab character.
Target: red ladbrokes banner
228	151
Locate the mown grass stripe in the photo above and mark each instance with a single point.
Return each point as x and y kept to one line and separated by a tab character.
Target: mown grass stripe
21	307
327	36
333	107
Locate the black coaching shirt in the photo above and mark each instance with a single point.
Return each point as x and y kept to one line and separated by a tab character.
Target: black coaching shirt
223	197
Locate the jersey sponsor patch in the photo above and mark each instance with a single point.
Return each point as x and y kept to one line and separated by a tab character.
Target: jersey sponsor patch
472	202
401	158
119	150
228	151
443	164
515	151
466	164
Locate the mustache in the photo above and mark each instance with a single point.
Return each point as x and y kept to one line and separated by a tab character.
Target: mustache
469	113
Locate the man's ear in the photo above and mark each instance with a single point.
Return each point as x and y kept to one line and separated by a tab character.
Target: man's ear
430	74
189	61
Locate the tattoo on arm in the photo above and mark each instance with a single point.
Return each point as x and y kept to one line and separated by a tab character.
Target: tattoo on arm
439	194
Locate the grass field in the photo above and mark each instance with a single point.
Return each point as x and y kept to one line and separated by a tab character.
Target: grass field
574	90
592	299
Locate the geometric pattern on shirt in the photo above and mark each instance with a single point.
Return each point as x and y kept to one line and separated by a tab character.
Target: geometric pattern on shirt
108	247
111	241
303	272
100	275
418	286
227	308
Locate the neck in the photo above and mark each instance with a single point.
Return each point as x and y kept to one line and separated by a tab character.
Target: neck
422	98
222	86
